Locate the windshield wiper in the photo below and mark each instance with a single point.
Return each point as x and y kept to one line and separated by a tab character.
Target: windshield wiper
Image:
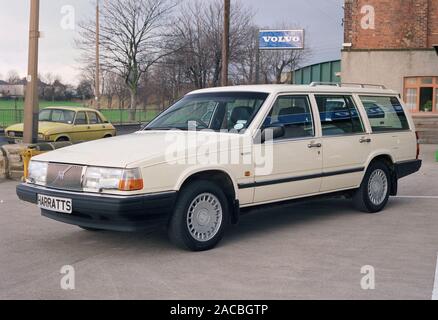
158	129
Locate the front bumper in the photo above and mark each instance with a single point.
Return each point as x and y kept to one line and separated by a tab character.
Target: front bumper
106	212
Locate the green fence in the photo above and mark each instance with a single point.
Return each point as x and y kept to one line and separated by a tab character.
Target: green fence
116	116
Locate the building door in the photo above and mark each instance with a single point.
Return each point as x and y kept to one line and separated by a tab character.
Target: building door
426	99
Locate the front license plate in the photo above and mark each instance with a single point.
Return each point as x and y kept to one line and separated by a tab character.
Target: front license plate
55	204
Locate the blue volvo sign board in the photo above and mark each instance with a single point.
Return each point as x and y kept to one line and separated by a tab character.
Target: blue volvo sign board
281	39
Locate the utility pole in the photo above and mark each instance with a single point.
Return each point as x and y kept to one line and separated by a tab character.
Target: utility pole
31	107
257	66
97	93
226	43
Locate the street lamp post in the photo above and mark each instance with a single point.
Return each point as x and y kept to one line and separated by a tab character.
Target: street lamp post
226	42
31	107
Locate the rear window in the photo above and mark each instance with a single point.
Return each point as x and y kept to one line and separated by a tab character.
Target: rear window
385	113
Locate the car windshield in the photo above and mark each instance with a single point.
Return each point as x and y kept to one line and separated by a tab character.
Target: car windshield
57	115
232	111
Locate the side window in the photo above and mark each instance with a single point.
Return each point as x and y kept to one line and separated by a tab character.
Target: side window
294	113
81	118
93	118
339	115
385	113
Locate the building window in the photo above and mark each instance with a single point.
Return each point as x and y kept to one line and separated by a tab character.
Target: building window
421	94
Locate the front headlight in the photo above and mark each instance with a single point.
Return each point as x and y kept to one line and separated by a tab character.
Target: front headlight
41	136
97	179
37	172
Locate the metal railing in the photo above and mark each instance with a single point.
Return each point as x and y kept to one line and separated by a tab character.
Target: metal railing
116	116
10	116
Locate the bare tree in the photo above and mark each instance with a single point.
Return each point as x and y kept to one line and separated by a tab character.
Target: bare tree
13	77
198	29
278	62
131	34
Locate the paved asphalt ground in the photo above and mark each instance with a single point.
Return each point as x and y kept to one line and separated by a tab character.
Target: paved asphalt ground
312	250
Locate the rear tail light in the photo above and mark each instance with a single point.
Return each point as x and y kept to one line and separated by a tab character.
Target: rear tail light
418	145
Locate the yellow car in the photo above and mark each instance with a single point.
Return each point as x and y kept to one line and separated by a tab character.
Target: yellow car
66	124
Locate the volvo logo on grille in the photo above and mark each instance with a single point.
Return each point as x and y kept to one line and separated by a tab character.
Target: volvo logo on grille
61	174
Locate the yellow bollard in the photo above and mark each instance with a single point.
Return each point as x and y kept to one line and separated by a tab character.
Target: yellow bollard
27	156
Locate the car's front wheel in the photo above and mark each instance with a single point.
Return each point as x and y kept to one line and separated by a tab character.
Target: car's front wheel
200	217
373	194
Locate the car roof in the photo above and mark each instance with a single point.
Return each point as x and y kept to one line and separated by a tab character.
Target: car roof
285	88
70	108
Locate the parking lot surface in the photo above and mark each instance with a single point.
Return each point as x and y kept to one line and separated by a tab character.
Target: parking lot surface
307	250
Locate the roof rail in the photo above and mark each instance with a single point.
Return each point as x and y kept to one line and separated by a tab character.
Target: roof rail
334	84
360	85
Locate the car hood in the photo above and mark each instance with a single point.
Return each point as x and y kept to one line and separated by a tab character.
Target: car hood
144	148
43	127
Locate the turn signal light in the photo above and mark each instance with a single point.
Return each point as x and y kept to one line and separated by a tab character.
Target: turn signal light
131	180
131	185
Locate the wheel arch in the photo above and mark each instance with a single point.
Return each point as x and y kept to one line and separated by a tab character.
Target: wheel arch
60	136
389	160
223	179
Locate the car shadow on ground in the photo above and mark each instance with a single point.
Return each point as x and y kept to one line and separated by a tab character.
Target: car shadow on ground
258	222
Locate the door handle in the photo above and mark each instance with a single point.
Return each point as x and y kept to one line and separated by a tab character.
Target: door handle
314	145
365	140
88	127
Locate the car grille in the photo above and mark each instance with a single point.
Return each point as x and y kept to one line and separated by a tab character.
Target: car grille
64	176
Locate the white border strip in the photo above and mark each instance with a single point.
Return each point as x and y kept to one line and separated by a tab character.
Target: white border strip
418	197
435	284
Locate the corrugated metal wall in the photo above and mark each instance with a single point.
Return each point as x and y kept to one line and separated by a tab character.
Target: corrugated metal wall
321	72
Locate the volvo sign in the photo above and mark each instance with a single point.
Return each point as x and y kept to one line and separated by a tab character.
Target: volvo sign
281	39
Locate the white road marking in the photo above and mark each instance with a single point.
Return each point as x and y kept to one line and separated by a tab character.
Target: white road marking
435	284
418	197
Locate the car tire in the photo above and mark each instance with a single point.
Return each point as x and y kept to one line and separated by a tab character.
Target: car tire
373	194
89	229
200	217
63	139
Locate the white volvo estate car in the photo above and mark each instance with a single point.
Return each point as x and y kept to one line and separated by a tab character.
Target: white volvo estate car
218	151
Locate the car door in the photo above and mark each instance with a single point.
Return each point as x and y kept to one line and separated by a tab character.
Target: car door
296	157
346	145
81	128
97	127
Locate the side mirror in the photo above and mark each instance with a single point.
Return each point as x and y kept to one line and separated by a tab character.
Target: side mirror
273	132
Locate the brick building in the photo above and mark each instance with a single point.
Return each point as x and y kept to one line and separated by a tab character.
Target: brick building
391	42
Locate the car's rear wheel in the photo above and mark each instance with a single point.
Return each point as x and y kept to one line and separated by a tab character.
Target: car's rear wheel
89	229
62	139
373	194
200	217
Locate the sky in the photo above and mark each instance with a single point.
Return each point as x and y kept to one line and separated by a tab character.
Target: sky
321	20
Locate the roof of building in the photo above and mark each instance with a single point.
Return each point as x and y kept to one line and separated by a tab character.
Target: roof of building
312	88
